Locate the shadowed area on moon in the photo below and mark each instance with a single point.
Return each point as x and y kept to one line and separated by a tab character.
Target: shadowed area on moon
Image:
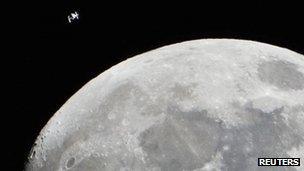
131	128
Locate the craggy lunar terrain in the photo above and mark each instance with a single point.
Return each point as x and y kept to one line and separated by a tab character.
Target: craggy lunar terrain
213	104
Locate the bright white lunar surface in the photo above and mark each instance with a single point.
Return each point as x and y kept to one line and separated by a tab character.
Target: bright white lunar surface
211	104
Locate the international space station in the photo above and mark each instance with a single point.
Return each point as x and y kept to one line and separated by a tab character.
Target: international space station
73	16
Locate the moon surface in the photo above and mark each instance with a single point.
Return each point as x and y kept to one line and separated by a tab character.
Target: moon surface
210	104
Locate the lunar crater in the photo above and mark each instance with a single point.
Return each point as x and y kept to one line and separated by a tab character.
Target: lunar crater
70	162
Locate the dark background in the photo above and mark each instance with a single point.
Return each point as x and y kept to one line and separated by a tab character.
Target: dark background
52	59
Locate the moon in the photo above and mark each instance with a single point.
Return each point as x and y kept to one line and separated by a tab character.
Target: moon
209	104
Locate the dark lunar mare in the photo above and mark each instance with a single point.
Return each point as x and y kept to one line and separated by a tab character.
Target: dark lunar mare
281	74
187	140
